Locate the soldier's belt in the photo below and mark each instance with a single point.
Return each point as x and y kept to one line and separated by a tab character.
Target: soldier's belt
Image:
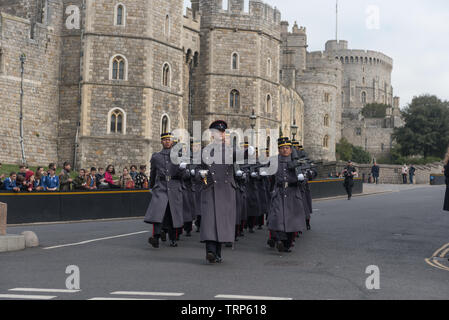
285	185
168	178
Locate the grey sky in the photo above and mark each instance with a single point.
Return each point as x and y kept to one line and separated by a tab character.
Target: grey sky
415	33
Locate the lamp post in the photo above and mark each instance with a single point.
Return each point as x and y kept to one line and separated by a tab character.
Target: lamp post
253	119
294	129
22	62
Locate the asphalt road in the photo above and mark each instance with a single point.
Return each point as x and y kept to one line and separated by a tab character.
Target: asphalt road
394	231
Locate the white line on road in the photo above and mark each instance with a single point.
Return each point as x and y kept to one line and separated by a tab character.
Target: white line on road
44	290
142	293
103	298
94	240
24	296
238	297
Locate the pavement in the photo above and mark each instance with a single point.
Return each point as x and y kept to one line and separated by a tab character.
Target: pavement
401	233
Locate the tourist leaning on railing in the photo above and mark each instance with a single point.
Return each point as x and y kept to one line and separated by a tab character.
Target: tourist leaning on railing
80	183
108	177
10	183
91	179
52	181
64	178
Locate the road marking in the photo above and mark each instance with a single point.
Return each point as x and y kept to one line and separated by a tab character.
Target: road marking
24	296
142	293
94	240
104	298
44	290
441	253
239	297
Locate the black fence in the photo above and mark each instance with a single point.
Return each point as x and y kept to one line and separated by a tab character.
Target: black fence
75	206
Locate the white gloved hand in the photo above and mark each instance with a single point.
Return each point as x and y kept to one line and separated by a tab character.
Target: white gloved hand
244	175
251	150
239	173
263	174
192	172
183	165
301	177
254	174
203	173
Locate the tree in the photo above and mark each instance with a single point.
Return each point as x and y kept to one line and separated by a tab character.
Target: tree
346	151
426	130
375	110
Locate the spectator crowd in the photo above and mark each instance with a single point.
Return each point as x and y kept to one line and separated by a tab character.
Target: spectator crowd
26	180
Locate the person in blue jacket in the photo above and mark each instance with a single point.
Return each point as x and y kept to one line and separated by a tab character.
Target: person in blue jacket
10	183
52	181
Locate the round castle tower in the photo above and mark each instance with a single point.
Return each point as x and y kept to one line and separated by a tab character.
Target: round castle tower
366	76
320	87
239	70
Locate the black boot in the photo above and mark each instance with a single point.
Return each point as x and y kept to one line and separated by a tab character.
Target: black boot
173	244
271	243
210	257
280	246
163	236
154	241
308	224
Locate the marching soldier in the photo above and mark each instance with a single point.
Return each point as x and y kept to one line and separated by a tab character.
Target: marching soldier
349	173
310	174
218	202
188	200
165	209
196	185
287	214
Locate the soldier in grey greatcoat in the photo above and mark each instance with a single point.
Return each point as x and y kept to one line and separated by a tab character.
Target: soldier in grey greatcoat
165	209
287	215
218	202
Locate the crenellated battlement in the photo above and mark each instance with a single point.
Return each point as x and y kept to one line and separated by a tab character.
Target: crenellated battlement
259	16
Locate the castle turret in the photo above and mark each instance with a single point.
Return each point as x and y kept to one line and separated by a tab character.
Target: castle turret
240	63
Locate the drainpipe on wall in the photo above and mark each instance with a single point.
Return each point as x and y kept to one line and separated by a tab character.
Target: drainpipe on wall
78	124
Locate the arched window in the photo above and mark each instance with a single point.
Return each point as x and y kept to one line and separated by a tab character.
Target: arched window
166	75
165	124
363	80
352	59
234	99
326	141
346	60
269	67
269	104
326	120
120	15
342	60
363	97
366	60
117	121
235	61
167	26
118	68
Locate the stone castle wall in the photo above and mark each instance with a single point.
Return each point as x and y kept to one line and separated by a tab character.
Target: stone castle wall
41	87
389	174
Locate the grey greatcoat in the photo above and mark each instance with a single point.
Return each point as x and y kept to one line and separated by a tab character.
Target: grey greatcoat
188	199
287	213
218	202
446	198
253	197
166	186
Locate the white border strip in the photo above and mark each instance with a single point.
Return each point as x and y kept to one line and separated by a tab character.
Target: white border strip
27	297
94	240
142	293
44	290
238	297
